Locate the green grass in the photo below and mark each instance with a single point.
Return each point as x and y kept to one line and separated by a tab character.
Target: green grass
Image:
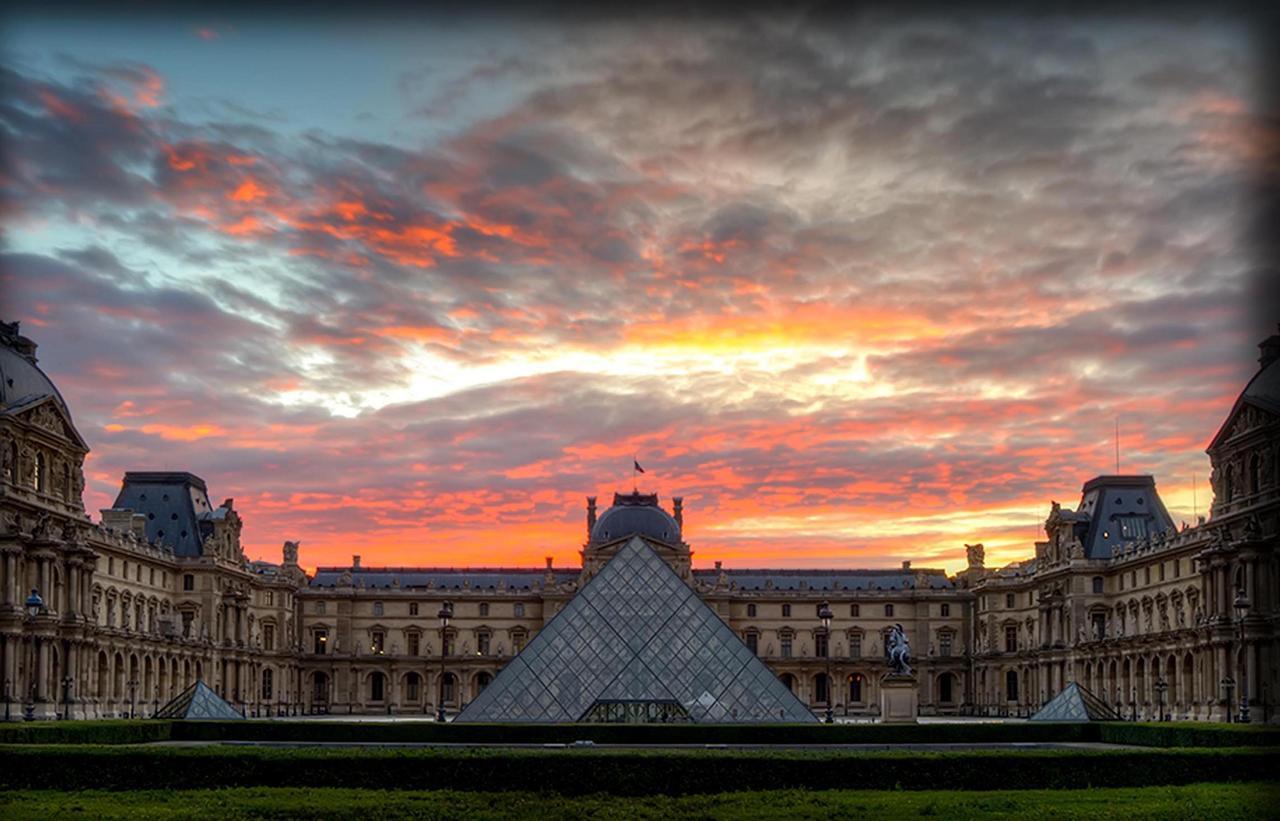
1204	802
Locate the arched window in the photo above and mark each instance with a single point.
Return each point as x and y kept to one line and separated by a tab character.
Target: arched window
377	687
483	680
450	688
412	686
320	688
855	688
1011	685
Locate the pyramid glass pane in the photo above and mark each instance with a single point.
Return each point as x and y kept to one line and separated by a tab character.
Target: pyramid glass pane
1075	703
198	701
636	635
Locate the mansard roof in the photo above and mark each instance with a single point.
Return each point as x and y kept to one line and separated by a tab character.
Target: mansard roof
1112	503
443	578
805	579
1263	390
174	503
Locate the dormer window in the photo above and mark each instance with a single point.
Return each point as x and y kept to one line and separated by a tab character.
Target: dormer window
1132	527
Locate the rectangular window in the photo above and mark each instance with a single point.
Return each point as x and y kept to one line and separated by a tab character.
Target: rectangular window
413	611
124	569
268	637
518	640
484	608
138	574
944	644
111	565
378	643
151	578
820	645
519	610
854	611
855	646
786	611
482	643
785	642
1177	568
753	643
321	642
411	642
1146	575
271	597
1097	584
320	608
751	611
1099	626
944	610
377	608
1008	600
188	582
1121	577
1161	571
1132	528
888	611
1011	639
1031	597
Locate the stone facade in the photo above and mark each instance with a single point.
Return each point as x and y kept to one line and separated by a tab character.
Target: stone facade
159	593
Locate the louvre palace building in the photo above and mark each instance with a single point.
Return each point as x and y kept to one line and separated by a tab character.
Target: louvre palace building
113	617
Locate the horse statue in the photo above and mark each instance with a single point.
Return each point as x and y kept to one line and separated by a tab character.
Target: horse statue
899	652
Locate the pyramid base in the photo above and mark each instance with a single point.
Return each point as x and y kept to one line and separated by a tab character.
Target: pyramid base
899	699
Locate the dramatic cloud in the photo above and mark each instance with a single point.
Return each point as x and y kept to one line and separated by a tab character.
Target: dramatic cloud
860	291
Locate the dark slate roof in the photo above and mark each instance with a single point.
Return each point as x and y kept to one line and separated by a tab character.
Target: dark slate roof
21	380
635	514
174	504
480	578
1108	499
830	579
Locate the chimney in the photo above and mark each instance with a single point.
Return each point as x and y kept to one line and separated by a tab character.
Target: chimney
906	565
548	562
717	565
1269	349
591	514
677	510
355	562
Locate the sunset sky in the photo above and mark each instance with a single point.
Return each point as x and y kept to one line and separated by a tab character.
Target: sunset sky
860	290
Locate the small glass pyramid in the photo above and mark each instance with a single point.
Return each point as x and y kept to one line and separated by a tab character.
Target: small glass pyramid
198	701
636	644
1075	703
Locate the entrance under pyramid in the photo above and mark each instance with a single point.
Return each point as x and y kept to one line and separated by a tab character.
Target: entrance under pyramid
636	644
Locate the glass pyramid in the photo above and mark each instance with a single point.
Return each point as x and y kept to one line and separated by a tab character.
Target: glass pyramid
638	636
198	701
1075	703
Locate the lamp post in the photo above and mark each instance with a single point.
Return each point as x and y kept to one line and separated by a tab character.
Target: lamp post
1161	686
8	683
67	681
1241	606
824	613
133	696
1133	704
34	605
446	613
1229	685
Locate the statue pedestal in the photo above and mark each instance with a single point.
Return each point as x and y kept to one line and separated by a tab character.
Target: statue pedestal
899	699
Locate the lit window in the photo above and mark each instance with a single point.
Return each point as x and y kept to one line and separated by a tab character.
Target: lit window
378	644
482	644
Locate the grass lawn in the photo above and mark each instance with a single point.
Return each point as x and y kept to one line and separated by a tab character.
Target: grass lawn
1202	802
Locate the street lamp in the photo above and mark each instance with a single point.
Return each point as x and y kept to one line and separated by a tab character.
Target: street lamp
1228	684
824	613
1133	704
34	606
1161	686
1241	606
446	613
67	681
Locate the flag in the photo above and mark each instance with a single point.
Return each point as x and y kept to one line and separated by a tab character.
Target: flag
637	468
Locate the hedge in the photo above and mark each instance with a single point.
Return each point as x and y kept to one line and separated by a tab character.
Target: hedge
133	732
764	734
85	732
618	772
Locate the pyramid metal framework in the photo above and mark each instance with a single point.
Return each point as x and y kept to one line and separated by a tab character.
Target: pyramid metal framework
1075	703
636	643
198	701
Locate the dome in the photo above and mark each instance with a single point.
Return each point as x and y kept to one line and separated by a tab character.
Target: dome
21	381
635	514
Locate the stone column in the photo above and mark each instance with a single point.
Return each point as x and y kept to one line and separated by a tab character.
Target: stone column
42	671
